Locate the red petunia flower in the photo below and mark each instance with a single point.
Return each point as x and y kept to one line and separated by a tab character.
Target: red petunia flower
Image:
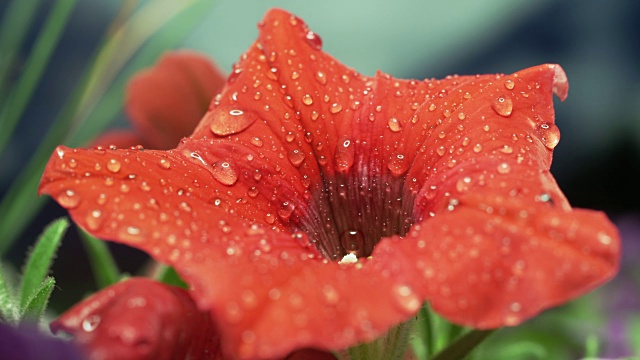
166	102
317	207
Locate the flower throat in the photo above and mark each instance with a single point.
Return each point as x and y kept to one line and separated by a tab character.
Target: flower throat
354	211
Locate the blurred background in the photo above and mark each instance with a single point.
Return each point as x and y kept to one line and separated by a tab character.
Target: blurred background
597	162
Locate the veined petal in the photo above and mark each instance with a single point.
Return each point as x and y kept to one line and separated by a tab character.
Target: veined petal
301	161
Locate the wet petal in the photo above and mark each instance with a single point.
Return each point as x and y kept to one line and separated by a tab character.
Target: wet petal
140	319
119	138
301	161
167	101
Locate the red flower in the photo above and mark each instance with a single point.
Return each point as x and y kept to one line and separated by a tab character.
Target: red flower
441	188
166	102
141	319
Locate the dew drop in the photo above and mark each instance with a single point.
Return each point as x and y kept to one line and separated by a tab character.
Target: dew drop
114	166
502	105
395	125
226	121
406	299
504	168
94	219
506	149
509	84
398	164
313	40
441	150
91	323
477	148
432	107
68	199
352	242
321	77
345	153
164	164
256	141
335	108
296	157
224	173
461	116
307	99
285	211
550	135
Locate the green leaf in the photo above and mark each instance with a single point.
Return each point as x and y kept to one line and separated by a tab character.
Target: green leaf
169	276
46	42
463	346
8	306
37	303
13	28
39	262
105	270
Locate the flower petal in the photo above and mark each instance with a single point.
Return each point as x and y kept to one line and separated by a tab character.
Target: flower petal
140	319
501	242
298	149
167	101
119	139
251	276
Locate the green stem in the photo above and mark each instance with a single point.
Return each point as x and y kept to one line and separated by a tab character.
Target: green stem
463	346
105	270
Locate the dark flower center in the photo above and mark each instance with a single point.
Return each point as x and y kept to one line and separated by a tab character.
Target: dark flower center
355	210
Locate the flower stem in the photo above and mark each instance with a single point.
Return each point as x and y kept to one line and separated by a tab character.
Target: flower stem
393	345
463	346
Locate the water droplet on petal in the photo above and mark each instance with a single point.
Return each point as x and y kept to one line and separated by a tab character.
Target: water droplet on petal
224	173
406	299
114	165
504	168
68	199
550	135
345	153
164	164
352	241
502	105
226	121
256	141
313	40
509	84
296	157
477	148
398	164
335	108
94	219
91	323
307	99
285	211
321	77
395	125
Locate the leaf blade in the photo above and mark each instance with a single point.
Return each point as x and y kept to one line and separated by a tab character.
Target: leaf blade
41	258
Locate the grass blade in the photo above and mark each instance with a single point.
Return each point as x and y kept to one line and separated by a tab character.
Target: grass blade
8	308
13	28
39	262
105	270
46	42
37	303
